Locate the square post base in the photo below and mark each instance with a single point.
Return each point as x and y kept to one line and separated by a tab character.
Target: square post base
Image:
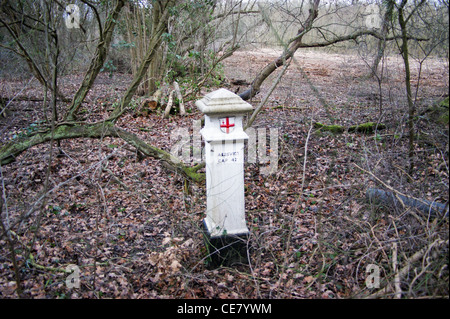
226	250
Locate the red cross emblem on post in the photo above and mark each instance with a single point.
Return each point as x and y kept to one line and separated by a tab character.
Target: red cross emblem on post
226	123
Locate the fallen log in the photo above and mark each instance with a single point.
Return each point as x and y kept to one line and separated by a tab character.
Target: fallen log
366	128
389	198
337	129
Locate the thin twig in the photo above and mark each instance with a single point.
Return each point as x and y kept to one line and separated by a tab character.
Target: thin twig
297	204
398	290
269	93
438	243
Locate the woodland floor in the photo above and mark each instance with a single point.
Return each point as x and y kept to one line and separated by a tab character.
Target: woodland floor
133	227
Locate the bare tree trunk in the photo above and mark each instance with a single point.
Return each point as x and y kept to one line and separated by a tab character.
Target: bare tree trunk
130	26
97	61
405	55
155	64
381	45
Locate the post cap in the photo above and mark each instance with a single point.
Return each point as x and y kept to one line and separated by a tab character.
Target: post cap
222	101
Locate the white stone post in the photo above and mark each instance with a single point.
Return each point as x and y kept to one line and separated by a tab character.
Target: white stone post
225	227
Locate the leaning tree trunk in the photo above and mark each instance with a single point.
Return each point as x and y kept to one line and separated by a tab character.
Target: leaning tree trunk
287	54
411	105
155	65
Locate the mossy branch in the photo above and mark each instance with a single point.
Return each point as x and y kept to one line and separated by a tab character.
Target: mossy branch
366	128
10	151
